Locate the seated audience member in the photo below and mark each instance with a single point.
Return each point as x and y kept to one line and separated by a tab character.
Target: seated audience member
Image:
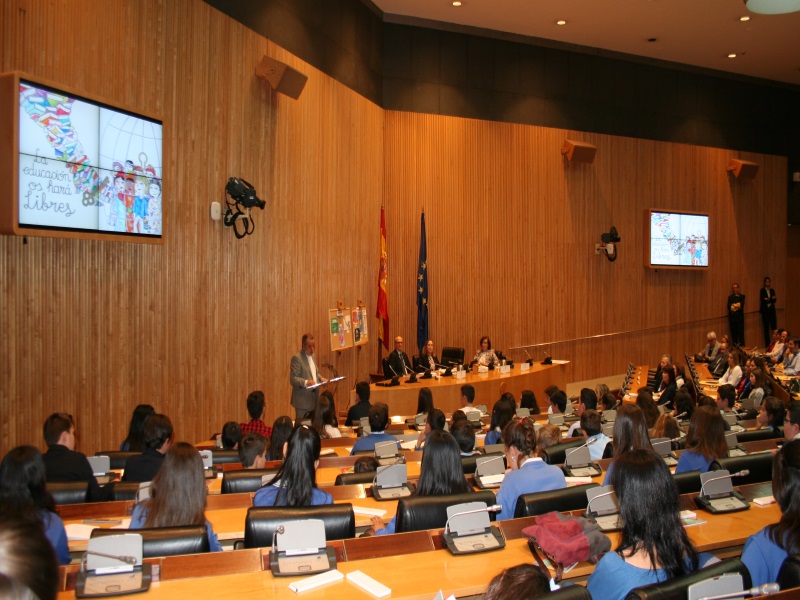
467	398
664	365
705	441
666	393
592	426
230	436
726	398
680	375
253	451
528	400
436	421
177	494
62	463
667	427
733	374
485	356
456	417
502	414
711	349
255	408
760	363
324	420
366	464
27	559
135	440
684	405
509	397
791	357
601	390
548	435
644	400
281	430
704	400
427	360
464	435
360	409
523	581
757	387
630	433
378	421
558	403
771	414
24	496
775	353
719	364
608	401
295	483
791	422
528	473
765	551
440	474
157	440
424	401
588	401
654	545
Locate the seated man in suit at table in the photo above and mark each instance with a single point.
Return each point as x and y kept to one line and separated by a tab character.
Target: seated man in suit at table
378	420
361	409
62	463
719	365
711	350
157	440
399	364
253	451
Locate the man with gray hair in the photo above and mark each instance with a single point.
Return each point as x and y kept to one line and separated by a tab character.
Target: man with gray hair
711	350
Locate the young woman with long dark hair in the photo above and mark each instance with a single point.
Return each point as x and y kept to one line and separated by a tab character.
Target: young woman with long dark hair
705	441
324	421
424	401
135	440
630	433
281	430
502	414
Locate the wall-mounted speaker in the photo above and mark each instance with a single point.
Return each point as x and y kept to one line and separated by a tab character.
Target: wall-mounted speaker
742	169
281	77
579	151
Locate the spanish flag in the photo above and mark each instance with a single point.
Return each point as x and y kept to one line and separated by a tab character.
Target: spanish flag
382	311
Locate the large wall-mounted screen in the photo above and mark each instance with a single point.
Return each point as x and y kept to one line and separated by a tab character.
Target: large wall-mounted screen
677	239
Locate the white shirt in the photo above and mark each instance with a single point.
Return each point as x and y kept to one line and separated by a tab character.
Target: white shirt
777	350
313	366
468	408
732	376
332	432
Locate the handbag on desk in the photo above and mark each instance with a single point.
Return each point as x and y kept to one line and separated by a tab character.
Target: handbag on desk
566	540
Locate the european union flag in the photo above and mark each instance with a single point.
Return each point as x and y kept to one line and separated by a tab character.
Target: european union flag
422	290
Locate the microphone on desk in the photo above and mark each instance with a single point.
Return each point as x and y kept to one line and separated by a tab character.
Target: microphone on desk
128	560
548	360
603	495
493	508
766	589
530	360
278	530
588	442
478	465
683	414
742	473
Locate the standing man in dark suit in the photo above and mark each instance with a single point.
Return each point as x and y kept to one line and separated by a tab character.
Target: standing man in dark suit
303	373
398	360
736	315
767	309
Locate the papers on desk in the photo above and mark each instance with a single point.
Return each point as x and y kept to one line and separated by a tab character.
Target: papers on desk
327	452
83	531
578	480
371	512
410	445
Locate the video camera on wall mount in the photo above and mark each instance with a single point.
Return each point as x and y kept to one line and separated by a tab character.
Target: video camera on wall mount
244	198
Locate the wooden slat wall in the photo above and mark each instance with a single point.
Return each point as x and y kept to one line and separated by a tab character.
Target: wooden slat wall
192	326
511	229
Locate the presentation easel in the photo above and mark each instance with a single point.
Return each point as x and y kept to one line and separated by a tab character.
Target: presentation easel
340	327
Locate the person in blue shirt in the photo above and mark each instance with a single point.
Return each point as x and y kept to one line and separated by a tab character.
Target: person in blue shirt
705	441
765	551
177	494
592	426
378	421
771	414
630	433
24	496
653	544
295	483
440	474
502	414
528	473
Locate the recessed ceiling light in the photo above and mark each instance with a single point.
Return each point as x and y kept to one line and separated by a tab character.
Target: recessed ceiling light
732	55
456	3
562	22
744	18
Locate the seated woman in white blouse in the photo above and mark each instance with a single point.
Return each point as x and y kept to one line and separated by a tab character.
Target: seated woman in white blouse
324	419
734	373
486	356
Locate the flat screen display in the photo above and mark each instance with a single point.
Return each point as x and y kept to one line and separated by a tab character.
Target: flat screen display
86	166
678	239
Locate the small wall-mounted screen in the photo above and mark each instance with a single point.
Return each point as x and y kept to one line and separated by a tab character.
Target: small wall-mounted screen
86	166
678	239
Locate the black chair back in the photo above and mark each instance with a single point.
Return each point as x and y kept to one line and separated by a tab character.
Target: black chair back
118	458
452	355
71	492
753	435
166	541
430	512
261	522
789	575
539	503
245	480
688	482
124	490
677	589
556	455
224	457
570	592
355	478
759	465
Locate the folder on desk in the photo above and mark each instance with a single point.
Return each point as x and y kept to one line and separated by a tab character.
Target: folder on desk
113	567
300	548
663	447
391	483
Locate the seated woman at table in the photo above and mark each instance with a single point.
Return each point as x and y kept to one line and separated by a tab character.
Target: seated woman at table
644	400
765	551
177	494
630	433
281	430
502	414
24	497
485	356
528	473
666	392
135	440
295	483
667	427
734	373
771	414
528	400
324	421
440	474
684	405
424	401
653	544
436	421
427	360
757	387
705	441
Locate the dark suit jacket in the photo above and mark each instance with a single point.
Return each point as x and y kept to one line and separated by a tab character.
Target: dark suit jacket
395	363
422	364
144	466
356	412
63	465
767	302
718	366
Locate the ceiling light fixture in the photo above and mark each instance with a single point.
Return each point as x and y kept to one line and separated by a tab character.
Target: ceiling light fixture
744	18
562	22
732	55
772	7
456	3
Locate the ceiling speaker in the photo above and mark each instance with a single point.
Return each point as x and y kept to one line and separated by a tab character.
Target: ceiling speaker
579	151
281	77
742	169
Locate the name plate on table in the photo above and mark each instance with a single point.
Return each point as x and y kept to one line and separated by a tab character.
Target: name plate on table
524	367
505	369
483	369
462	374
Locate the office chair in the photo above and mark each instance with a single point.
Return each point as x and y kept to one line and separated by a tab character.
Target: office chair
262	521
540	503
677	589
166	541
246	480
419	513
71	492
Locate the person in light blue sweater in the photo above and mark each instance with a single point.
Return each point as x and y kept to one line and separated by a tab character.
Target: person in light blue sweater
766	550
705	441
